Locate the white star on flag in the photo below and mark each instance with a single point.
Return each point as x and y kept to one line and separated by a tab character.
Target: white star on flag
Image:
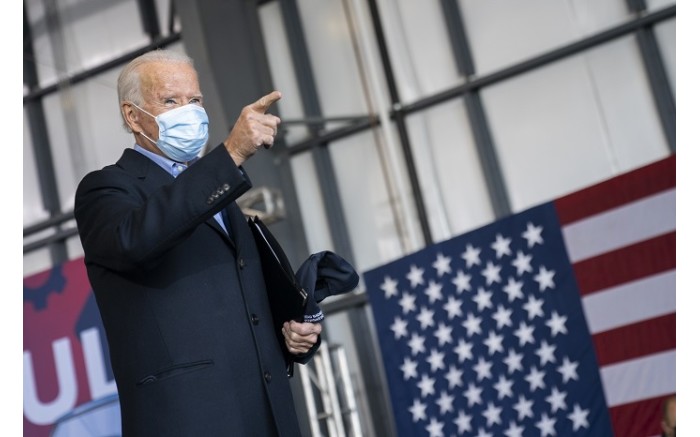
442	265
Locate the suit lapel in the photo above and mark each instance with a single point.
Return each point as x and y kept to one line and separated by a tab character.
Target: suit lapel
237	224
217	227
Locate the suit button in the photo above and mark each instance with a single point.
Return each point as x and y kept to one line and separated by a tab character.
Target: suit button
254	318
268	376
226	187
241	262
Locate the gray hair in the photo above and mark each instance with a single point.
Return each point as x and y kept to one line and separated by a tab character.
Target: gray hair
129	82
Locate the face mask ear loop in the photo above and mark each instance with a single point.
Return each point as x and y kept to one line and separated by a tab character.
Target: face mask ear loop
148	138
145	112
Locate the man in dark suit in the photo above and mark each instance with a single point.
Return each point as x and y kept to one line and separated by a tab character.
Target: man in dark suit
175	269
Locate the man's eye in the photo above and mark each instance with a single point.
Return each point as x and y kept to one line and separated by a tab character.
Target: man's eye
170	101
196	100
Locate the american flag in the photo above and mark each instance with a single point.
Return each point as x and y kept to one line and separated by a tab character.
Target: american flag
556	321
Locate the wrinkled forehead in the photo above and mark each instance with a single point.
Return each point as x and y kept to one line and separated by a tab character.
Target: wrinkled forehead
169	78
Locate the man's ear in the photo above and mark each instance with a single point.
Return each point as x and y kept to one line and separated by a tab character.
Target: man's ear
131	117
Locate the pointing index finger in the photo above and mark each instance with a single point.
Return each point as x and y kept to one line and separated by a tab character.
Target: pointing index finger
264	103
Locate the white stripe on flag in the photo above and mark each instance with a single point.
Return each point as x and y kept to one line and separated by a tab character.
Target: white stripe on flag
620	227
631	302
641	378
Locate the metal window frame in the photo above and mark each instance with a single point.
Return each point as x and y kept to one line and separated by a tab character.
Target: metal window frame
642	24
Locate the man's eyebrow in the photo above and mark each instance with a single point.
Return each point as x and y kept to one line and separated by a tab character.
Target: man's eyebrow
165	96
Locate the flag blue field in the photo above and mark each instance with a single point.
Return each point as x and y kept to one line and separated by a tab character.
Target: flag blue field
559	320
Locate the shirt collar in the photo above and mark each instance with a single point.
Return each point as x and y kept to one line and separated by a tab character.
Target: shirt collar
167	164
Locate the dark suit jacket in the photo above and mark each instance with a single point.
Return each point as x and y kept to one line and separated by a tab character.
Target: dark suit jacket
190	333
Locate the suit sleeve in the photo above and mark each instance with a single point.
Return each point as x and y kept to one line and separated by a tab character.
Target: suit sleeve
126	223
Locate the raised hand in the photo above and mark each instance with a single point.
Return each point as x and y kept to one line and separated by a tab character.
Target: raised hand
253	129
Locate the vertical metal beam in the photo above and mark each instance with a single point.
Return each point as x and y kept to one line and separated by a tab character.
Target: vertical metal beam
372	370
172	13
637	5
458	37
495	182
660	84
657	75
41	143
149	18
400	118
312	108
490	166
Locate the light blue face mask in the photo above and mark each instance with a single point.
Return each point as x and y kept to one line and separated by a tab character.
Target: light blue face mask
182	133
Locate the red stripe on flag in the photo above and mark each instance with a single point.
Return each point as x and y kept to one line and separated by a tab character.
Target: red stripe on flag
638	419
636	340
626	188
626	264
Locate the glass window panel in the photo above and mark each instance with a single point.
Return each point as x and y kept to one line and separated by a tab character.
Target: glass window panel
505	32
39	260
573	123
592	16
163	10
366	202
88	34
75	248
85	127
626	104
666	36
67	141
33	211
453	186
653	5
282	71
333	58
419	69
311	205
36	261
86	132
